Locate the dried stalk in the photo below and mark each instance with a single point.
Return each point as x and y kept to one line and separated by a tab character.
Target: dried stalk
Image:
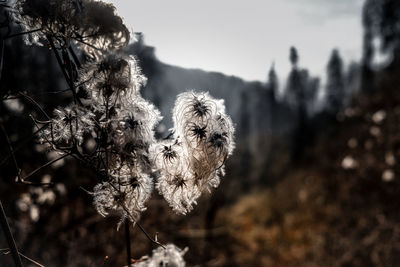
9	237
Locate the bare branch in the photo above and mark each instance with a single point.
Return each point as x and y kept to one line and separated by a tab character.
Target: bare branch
7	250
61	65
9	237
148	236
36	104
21	33
22	180
11	150
21	145
128	242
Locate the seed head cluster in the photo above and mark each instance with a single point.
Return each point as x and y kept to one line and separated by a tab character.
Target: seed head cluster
119	124
110	126
169	256
193	162
93	25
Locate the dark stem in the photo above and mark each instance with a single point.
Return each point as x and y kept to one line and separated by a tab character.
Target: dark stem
9	237
75	57
6	251
21	33
11	151
22	179
128	241
60	63
21	145
148	236
138	224
1	55
36	104
31	260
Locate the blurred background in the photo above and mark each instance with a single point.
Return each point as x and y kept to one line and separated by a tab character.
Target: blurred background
313	87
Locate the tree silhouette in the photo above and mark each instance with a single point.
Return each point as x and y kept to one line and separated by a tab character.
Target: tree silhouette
335	83
294	57
313	84
296	97
272	84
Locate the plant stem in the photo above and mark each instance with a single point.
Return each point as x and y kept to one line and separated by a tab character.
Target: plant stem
21	33
128	242
1	55
9	237
75	57
60	63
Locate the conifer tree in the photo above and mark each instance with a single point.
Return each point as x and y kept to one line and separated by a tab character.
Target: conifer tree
335	82
273	84
296	97
295	91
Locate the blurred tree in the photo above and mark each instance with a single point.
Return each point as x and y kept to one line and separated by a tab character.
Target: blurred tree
244	132
335	83
294	94
294	57
296	97
352	79
313	84
272	84
244	126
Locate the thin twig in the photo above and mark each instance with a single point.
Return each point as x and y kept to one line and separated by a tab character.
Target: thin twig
128	242
137	223
85	190
36	104
21	33
21	145
1	56
37	94
31	260
41	167
36	121
74	56
7	250
61	65
11	150
90	45
9	237
148	236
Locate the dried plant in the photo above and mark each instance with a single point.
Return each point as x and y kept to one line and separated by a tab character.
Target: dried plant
92	24
109	127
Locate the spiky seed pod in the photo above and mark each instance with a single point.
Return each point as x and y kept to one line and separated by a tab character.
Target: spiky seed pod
192	108
113	81
69	126
135	124
169	256
125	194
196	164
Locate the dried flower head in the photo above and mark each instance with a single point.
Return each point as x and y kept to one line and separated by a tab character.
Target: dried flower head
169	256
194	163
92	24
114	81
135	123
69	126
125	194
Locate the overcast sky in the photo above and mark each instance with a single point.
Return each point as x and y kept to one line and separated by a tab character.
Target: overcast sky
243	38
